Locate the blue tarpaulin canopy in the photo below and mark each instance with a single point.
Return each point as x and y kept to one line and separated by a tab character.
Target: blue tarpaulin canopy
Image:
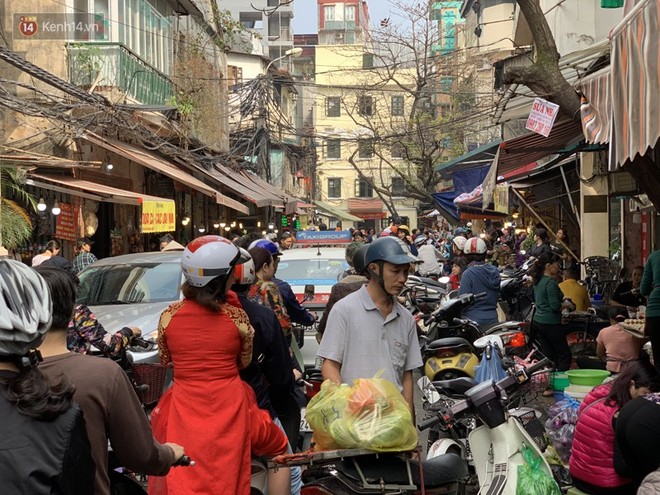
464	182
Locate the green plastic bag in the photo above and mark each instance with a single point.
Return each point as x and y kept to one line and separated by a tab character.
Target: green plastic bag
531	479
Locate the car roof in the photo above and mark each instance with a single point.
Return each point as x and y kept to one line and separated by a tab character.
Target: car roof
311	253
146	257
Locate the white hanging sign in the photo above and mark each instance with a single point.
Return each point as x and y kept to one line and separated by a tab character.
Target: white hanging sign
542	117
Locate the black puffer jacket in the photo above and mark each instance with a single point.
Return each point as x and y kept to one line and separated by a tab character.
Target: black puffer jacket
44	457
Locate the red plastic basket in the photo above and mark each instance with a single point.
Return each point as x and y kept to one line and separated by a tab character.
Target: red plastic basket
154	376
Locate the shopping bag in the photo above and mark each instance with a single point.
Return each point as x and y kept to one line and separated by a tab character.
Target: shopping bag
490	367
371	414
532	479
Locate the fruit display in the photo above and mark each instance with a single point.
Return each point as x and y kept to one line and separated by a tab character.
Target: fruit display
634	326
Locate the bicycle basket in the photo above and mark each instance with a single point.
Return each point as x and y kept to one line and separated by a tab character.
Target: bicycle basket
533	426
154	376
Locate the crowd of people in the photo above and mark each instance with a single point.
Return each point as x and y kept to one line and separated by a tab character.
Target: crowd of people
232	348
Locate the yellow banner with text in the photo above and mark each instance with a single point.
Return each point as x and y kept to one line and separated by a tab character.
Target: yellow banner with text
158	216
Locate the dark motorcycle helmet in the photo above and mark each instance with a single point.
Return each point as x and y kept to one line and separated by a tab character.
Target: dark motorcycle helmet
390	249
359	259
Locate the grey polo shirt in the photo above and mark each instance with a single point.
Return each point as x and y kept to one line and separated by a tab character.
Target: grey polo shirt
359	337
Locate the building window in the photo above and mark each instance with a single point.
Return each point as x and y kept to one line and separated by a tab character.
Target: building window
333	106
365	148
349	13
363	188
334	188
329	12
397	106
333	148
234	78
398	186
365	105
367	60
397	150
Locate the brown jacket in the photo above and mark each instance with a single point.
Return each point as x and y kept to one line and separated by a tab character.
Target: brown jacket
112	411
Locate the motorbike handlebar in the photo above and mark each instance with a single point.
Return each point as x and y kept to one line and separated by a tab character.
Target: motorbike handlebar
429	422
481	295
543	363
140	342
184	460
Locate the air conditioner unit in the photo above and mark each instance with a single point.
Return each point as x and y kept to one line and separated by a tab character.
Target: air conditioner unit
622	183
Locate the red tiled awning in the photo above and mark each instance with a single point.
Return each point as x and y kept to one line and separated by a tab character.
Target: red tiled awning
367	209
523	150
636	81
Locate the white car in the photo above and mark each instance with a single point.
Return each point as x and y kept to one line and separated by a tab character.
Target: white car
311	272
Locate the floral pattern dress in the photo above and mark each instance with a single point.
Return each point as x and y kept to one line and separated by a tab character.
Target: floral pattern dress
267	294
85	332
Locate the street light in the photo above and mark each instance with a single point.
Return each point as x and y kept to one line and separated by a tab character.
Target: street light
291	52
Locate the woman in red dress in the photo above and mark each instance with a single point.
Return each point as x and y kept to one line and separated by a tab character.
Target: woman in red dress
209	409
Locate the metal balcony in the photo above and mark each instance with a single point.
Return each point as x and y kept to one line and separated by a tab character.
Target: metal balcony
113	66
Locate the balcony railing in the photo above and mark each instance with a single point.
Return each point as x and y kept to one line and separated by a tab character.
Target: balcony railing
112	65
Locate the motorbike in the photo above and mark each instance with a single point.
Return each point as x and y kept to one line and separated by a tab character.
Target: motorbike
516	296
360	471
495	445
447	339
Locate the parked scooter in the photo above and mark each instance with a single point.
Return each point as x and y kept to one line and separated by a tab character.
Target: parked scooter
516	296
496	445
360	471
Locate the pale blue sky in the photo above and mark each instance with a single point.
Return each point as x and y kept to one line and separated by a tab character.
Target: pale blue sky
305	17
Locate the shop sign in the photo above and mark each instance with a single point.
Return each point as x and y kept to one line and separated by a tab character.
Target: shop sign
65	226
542	117
158	216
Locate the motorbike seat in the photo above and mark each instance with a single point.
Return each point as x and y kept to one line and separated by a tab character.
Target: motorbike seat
456	387
459	344
438	471
433	282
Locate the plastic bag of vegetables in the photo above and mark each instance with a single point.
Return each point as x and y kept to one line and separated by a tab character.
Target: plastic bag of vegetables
532	479
560	426
372	414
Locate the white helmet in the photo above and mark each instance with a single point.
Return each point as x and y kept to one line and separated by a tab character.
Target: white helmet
459	241
244	274
208	257
420	240
25	308
475	245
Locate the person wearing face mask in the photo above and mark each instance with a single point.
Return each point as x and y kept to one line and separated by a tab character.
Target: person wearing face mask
369	330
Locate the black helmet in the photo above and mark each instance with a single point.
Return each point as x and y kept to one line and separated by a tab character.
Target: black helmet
390	249
359	259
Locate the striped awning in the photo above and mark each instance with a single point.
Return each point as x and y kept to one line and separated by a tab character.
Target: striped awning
596	107
635	72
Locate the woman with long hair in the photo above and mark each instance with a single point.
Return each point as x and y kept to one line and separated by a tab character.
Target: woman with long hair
592	454
45	449
264	291
209	408
546	323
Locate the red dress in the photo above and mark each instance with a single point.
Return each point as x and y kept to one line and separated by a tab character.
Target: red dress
207	410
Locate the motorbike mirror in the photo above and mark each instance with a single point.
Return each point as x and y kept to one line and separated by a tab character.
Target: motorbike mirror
443	280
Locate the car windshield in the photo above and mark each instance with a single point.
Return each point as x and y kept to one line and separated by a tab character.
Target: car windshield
129	284
315	271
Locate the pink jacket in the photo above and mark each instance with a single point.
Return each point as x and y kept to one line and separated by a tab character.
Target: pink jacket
592	454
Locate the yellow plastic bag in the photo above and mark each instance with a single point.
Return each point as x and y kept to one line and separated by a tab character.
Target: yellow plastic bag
371	414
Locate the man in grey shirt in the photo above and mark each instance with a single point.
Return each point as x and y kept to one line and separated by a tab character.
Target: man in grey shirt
369	331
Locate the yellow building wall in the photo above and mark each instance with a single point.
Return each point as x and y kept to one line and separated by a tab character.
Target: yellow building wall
340	73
